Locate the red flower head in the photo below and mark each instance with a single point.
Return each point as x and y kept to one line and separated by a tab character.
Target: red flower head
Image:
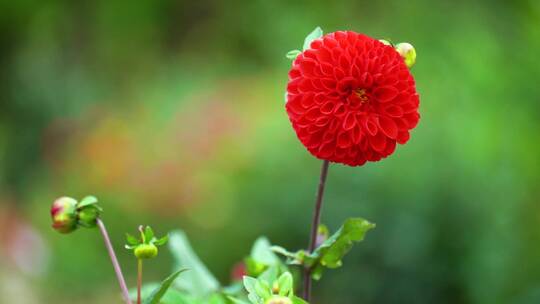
351	98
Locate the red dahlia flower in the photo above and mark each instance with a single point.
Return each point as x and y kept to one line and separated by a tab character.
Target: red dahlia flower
351	98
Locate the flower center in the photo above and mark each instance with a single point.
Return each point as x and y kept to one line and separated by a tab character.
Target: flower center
361	93
358	99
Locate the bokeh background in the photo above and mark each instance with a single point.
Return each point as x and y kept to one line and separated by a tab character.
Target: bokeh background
171	112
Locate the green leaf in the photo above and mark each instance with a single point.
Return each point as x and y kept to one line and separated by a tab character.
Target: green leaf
293	54
331	251
297	300
270	274
317	33
217	298
261	258
263	289
234	288
198	281
159	292
173	296
317	271
300	257
254	268
237	301
251	286
148	235
161	241
285	284
262	252
131	240
87	201
284	252
254	298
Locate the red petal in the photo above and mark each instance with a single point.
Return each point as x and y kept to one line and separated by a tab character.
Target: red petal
371	126
346	85
356	135
393	110
385	93
307	66
322	121
388	127
390	147
327	69
349	122
403	137
344	140
328	107
412	119
296	107
307	100
378	143
326	150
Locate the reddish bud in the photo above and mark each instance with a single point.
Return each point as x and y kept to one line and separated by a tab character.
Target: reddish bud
239	271
64	214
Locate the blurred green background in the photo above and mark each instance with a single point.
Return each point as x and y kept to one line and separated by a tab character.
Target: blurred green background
171	112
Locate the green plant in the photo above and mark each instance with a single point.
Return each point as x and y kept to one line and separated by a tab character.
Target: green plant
268	279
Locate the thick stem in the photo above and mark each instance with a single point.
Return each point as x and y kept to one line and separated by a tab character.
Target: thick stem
314	227
139	280
116	265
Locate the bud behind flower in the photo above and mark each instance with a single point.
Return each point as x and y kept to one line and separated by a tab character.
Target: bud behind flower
64	214
407	52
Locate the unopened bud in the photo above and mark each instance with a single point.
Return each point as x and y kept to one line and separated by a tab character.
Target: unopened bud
278	300
88	216
407	52
146	251
239	271
64	214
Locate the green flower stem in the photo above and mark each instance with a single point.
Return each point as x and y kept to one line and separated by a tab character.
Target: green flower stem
114	260
314	227
139	279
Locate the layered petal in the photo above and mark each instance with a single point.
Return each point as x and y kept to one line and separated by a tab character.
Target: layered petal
351	99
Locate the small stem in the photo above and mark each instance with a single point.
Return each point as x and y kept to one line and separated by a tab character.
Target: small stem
114	260
314	227
139	280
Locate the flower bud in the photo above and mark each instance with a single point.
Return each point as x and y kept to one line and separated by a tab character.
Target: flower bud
64	214
146	251
407	52
88	216
385	42
278	300
239	271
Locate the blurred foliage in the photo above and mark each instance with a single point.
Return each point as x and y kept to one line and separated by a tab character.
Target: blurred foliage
172	113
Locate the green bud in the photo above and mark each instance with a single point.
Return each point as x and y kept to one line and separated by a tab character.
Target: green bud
64	214
146	251
278	300
407	52
88	216
385	42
